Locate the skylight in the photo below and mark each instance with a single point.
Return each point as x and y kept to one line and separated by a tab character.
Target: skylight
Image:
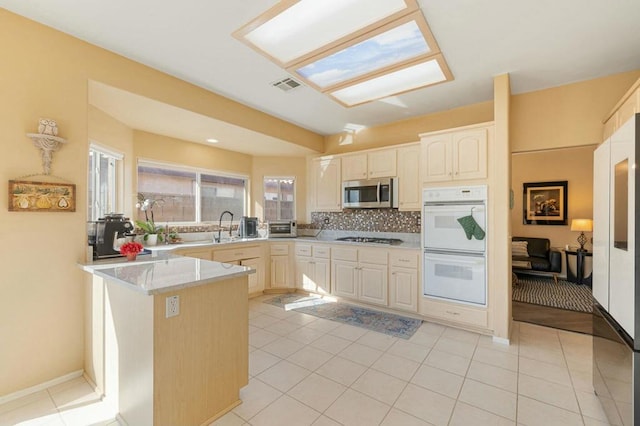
293	29
388	48
355	51
410	78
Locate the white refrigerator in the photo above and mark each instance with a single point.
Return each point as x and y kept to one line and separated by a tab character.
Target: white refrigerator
616	274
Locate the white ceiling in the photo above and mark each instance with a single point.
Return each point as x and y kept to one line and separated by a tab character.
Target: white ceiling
142	113
541	44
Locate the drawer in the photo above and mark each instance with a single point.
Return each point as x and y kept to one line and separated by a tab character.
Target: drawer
279	249
404	258
343	253
322	252
238	253
455	313
303	249
379	257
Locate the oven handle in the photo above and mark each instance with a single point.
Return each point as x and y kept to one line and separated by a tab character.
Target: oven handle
455	203
457	261
451	209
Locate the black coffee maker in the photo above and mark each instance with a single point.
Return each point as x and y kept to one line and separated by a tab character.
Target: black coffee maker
103	232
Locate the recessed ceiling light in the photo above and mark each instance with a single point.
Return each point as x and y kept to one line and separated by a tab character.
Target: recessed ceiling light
212	140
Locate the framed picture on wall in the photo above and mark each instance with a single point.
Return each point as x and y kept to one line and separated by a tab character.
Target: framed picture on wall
545	203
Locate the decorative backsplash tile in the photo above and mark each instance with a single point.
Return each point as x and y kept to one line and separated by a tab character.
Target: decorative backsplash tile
367	220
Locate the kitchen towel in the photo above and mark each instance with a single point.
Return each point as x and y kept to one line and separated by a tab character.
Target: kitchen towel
471	227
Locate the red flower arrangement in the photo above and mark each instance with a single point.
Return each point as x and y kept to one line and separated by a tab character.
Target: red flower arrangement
131	249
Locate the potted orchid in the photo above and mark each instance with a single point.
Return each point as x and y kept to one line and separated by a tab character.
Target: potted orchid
131	250
152	233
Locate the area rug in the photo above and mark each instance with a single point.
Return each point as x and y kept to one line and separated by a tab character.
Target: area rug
543	291
382	322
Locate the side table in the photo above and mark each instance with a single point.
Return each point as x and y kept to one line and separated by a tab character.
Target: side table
578	277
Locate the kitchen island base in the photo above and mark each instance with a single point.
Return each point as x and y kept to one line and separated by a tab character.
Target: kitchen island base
183	370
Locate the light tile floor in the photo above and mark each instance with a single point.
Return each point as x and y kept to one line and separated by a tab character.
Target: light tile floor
72	403
310	371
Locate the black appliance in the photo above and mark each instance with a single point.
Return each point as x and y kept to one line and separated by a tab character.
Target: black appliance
104	231
248	227
372	193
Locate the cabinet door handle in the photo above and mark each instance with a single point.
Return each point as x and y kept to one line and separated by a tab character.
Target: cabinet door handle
452	313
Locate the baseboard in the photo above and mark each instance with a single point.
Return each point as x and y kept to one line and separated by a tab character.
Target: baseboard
42	386
500	340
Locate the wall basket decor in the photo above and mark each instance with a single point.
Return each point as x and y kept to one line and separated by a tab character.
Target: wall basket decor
545	203
26	196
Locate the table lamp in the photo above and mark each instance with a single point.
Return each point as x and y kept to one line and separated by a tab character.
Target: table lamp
582	225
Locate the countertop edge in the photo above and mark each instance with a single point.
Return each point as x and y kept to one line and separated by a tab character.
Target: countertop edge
99	268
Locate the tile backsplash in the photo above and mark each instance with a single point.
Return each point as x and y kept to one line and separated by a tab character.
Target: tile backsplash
367	220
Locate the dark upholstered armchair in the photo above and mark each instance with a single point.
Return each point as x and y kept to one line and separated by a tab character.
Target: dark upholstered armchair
538	257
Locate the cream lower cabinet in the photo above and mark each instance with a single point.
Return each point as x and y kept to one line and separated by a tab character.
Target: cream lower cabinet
313	268
206	254
360	274
250	256
403	280
280	266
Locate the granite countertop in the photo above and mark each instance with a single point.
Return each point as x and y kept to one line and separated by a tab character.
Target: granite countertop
163	272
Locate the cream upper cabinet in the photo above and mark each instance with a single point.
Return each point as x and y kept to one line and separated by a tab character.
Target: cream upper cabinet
456	155
370	165
628	105
409	183
382	163
354	167
326	184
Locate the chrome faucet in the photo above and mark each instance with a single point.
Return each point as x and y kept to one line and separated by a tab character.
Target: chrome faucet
220	225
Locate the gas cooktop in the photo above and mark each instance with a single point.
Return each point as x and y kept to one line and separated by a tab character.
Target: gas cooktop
376	240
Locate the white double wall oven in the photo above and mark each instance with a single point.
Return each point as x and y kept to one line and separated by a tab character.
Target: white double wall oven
454	265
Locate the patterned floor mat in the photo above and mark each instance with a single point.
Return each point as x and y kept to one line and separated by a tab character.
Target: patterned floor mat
382	322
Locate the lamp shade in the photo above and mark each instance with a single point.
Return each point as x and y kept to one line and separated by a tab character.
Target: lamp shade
584	225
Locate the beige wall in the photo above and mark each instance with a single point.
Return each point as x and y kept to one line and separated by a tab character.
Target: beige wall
565	116
43	317
279	166
574	165
150	146
408	130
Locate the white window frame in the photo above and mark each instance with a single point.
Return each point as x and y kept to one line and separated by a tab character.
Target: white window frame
197	194
295	195
116	189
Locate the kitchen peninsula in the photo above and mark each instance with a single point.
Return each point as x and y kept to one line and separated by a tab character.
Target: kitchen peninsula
168	361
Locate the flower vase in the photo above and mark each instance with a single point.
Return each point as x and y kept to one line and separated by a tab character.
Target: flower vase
152	239
132	256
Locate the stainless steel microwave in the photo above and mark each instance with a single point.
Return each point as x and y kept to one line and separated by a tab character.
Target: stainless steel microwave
369	194
282	229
